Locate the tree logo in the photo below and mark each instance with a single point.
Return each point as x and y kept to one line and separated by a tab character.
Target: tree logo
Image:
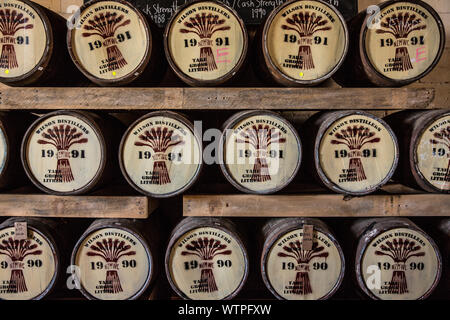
159	140
305	25
355	138
63	138
206	249
205	26
17	250
111	251
302	285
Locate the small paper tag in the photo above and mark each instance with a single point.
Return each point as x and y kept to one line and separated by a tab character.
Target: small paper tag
20	231
307	242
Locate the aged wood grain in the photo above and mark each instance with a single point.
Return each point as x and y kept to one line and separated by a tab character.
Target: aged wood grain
40	205
325	205
214	98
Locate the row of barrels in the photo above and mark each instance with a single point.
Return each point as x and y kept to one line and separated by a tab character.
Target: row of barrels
161	154
207	258
302	42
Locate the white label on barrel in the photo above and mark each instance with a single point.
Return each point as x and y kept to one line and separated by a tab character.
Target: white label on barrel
298	274
402	41
306	40
207	264
114	264
112	40
261	152
3	150
22	37
406	262
433	153
161	155
357	153
27	267
63	153
206	41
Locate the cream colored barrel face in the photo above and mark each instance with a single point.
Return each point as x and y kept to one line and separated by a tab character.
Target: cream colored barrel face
406	261
112	40
402	40
433	153
3	150
297	274
357	153
22	37
63	153
206	41
161	155
207	264
114	264
27	267
261	152
306	40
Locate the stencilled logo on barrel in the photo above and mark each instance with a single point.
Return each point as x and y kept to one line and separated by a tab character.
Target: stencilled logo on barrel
207	263
113	264
261	152
63	153
357	153
206	41
161	155
407	263
27	266
306	40
111	41
433	153
295	273
22	38
402	40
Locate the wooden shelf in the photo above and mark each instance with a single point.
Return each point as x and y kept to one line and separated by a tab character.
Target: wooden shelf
43	205
316	205
46	98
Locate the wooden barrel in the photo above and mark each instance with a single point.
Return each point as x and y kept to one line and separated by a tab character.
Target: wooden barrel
424	139
117	259
29	259
68	152
395	259
302	42
205	43
293	272
161	154
351	152
443	238
32	42
260	151
206	259
115	44
399	43
12	129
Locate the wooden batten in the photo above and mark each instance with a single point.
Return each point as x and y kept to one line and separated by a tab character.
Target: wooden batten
383	54
301	43
31	272
71	152
424	139
205	43
126	50
293	272
117	259
259	151
405	258
351	152
161	154
206	259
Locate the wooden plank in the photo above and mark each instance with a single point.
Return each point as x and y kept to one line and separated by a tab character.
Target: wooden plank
326	205
214	98
41	205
